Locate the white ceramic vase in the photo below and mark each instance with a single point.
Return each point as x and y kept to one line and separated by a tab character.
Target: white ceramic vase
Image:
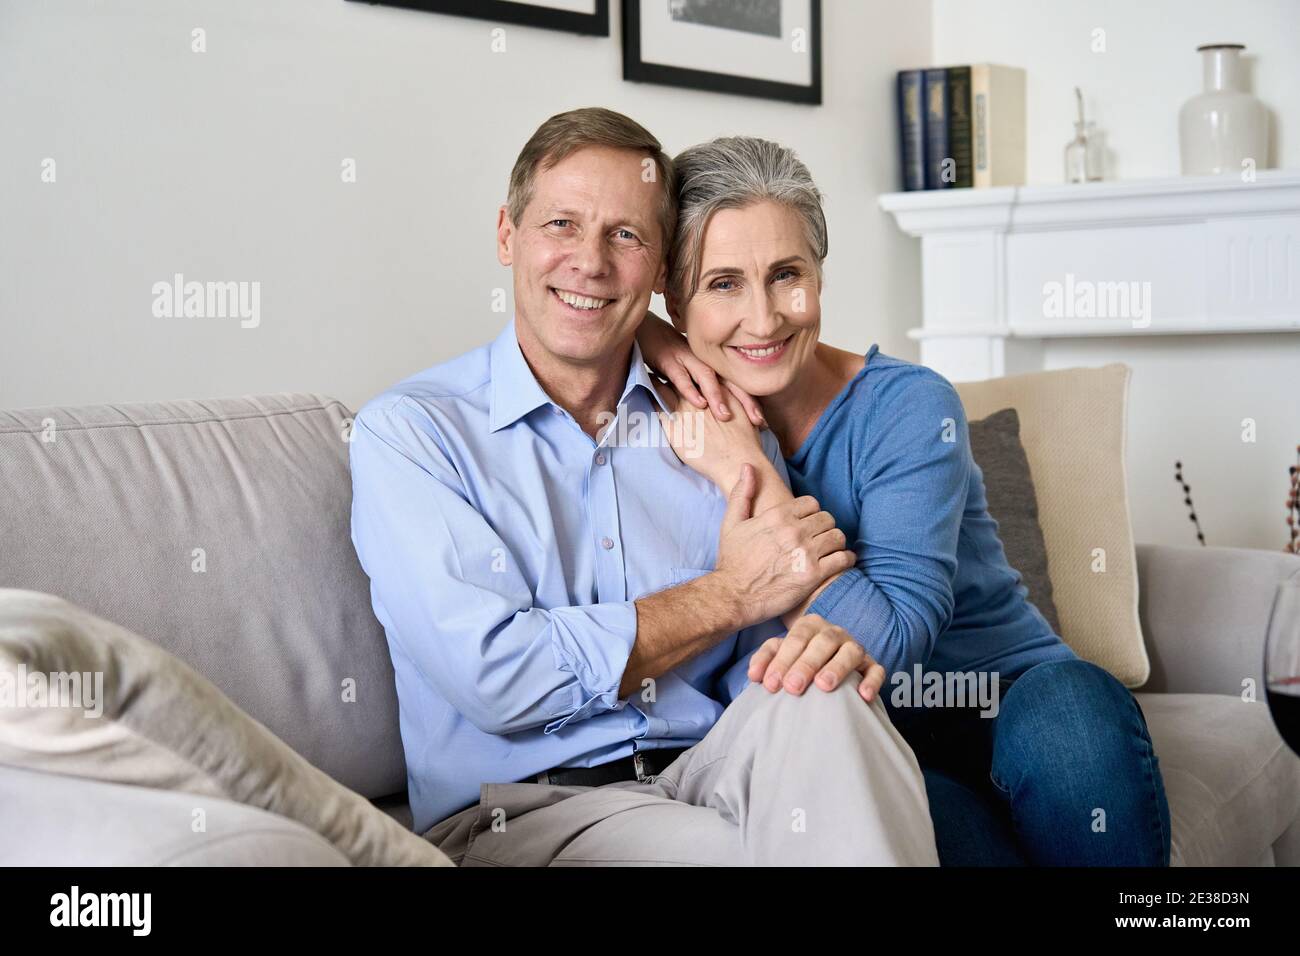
1223	126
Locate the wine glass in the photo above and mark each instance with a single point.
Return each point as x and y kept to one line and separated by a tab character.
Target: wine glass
1282	662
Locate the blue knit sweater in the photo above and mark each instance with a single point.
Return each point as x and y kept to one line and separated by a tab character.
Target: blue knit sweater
890	458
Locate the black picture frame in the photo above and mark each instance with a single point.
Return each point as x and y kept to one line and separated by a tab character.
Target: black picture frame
637	70
511	11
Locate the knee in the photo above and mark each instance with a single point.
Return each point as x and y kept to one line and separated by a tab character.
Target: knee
817	708
1071	696
1065	719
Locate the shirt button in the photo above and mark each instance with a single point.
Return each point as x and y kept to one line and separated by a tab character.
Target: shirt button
606	543
600	459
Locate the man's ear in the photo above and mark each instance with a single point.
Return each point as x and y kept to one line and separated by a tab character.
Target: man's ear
661	277
505	237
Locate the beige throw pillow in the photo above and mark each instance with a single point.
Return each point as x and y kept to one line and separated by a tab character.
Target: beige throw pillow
135	714
1072	426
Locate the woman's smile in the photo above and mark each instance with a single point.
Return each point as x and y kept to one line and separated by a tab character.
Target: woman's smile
762	353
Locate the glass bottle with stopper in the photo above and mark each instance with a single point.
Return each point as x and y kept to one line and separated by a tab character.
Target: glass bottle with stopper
1083	154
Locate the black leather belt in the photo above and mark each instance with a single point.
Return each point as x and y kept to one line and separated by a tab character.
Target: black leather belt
641	766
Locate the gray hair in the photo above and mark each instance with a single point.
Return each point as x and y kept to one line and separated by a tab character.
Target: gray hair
730	173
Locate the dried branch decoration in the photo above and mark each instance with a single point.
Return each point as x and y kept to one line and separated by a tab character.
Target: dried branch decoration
1187	500
1293	508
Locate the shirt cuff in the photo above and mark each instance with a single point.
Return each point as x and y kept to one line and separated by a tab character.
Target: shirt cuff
593	643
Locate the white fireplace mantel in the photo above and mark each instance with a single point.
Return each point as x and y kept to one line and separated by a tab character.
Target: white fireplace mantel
1004	269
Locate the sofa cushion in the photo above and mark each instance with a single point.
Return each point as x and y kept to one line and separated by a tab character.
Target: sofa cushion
221	531
83	697
1233	785
1206	613
1009	487
1072	425
69	821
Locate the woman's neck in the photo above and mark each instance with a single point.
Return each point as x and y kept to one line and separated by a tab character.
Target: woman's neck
792	412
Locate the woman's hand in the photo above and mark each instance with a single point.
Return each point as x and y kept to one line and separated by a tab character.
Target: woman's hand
716	448
666	351
815	652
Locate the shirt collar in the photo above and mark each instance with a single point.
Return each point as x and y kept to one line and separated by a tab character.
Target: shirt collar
638	374
515	391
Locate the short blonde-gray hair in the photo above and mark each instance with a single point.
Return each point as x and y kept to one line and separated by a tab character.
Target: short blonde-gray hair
730	173
566	133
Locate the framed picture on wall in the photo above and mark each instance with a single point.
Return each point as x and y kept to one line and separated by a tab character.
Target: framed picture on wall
767	48
574	16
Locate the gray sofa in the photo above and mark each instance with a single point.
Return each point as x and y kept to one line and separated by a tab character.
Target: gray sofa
220	530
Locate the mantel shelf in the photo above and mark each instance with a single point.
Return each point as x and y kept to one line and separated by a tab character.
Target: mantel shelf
1095	328
1005	269
1138	201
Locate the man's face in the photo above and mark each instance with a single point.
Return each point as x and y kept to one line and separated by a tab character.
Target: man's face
586	257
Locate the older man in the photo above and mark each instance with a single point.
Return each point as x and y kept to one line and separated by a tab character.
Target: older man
571	610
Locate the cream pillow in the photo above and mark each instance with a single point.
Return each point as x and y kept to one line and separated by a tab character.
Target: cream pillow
1072	425
137	715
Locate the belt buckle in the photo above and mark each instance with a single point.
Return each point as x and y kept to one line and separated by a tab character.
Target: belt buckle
638	764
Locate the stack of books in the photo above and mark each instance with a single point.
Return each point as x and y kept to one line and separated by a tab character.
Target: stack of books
962	126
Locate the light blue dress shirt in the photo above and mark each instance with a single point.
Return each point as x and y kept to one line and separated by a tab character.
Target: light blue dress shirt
505	548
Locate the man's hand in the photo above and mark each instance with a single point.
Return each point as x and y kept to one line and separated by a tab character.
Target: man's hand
771	562
815	651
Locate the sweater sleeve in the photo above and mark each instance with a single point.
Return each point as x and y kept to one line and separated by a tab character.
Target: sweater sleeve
910	476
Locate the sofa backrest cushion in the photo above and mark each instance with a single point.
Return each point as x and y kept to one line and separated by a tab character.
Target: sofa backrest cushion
219	530
1013	504
1073	425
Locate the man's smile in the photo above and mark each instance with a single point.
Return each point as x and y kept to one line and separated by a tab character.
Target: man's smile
580	302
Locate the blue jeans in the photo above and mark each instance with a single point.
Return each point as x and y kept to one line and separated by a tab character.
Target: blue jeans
1064	775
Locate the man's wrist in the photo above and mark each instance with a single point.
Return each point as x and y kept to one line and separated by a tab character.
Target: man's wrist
723	596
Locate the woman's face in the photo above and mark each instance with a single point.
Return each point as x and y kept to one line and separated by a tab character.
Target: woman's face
756	313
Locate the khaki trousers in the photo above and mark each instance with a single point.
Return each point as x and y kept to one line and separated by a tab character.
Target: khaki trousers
818	780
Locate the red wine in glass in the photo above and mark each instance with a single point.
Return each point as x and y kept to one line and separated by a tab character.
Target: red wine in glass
1282	662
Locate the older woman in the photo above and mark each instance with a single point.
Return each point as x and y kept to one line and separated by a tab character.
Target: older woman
1057	767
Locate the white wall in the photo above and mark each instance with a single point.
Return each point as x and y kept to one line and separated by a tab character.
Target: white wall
226	165
1187	400
1133	90
1189	394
